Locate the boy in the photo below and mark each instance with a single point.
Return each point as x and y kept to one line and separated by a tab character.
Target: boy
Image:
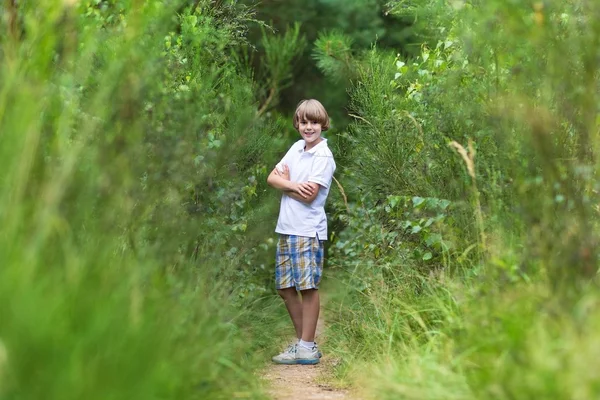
304	176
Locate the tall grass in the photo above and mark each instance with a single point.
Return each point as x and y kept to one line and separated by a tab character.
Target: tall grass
419	314
133	240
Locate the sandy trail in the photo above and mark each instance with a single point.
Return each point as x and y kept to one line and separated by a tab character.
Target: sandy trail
287	382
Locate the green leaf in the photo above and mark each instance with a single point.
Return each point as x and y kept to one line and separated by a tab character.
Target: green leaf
417	201
433	239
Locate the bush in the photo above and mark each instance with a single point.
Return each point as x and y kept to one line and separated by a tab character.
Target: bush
132	201
485	119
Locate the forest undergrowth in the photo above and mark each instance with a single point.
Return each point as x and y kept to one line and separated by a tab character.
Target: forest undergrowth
466	267
134	249
137	241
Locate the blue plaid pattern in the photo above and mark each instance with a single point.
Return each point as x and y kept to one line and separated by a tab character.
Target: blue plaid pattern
299	262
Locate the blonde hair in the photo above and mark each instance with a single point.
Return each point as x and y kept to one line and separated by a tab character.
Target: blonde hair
311	110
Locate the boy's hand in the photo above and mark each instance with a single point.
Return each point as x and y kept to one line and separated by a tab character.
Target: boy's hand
304	192
286	172
304	189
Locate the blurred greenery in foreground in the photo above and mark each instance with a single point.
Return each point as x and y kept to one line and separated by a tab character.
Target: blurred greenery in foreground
134	219
135	141
467	266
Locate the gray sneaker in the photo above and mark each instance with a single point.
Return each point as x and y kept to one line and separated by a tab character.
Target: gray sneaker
306	356
318	351
288	356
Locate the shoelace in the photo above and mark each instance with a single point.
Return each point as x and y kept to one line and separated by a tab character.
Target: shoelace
291	348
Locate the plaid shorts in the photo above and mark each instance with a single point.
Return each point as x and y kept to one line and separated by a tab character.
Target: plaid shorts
299	262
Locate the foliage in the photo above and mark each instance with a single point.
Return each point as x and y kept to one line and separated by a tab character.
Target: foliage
499	116
333	53
363	22
133	204
136	137
276	71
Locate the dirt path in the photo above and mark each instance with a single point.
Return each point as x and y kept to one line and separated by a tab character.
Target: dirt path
287	382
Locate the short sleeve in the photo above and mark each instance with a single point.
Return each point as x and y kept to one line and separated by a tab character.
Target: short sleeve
322	170
285	159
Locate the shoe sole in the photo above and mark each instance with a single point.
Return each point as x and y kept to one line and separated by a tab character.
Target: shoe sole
294	362
285	362
307	361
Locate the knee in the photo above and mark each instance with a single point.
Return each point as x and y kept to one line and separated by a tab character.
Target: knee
287	293
310	294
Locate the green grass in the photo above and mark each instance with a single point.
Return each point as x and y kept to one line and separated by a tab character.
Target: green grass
132	203
426	306
135	260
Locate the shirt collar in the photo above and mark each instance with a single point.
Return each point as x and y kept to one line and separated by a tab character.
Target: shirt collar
312	151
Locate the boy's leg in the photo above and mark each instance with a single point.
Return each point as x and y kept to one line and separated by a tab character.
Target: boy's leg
307	351
310	314
309	269
294	307
284	280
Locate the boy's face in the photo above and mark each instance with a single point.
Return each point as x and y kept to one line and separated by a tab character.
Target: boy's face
310	132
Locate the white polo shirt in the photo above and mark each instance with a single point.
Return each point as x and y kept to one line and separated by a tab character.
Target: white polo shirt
315	165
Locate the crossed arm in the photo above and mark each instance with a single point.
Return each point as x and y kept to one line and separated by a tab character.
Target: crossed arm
305	192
